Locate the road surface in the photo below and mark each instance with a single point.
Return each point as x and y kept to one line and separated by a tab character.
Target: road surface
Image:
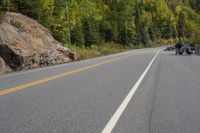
139	91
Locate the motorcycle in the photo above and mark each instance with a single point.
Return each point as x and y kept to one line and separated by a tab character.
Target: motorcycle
186	49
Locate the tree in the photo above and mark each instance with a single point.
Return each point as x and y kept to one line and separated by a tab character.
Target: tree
6	5
77	35
128	22
90	32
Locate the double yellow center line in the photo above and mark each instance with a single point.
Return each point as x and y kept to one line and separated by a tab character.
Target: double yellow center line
38	82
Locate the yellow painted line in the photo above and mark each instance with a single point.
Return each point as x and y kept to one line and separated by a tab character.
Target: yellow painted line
38	82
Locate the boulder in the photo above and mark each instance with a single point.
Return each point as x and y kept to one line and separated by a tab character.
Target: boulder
3	66
25	44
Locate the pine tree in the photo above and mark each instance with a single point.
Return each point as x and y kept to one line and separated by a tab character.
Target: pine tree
129	22
6	5
77	35
90	32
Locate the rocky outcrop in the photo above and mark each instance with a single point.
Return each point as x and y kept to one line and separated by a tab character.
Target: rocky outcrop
25	44
3	66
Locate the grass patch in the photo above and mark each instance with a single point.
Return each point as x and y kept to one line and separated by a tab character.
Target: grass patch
96	50
112	48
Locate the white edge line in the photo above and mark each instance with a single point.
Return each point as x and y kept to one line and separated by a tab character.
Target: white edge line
114	119
65	64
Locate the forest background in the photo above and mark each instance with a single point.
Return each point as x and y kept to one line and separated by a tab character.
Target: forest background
100	27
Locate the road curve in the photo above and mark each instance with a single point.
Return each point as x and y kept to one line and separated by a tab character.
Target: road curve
82	97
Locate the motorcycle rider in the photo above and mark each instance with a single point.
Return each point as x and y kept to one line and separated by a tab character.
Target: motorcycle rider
178	47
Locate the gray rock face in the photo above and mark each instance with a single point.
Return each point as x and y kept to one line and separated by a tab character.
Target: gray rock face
25	44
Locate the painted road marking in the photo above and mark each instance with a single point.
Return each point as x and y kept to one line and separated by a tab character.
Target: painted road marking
61	65
114	119
38	82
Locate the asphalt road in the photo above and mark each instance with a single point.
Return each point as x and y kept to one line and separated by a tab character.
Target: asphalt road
139	91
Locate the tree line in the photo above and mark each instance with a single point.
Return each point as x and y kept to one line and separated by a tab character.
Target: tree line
127	22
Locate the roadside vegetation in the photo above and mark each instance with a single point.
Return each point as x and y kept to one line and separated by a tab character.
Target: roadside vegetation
111	48
101	27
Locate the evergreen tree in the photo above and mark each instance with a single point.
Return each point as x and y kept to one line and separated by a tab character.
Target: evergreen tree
129	22
90	32
6	5
77	35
